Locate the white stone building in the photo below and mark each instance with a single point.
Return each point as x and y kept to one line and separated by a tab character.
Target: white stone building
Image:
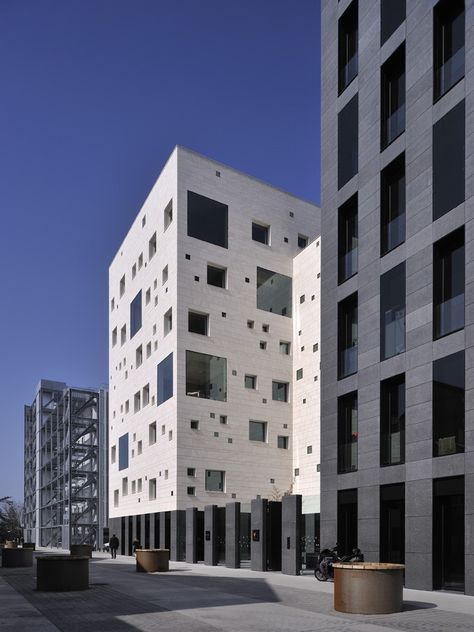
208	335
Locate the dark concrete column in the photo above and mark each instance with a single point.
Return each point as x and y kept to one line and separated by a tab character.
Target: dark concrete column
469	529
164	529
191	535
134	530
232	535
291	517
210	535
141	535
258	534
152	531
368	524
418	534
126	537
177	535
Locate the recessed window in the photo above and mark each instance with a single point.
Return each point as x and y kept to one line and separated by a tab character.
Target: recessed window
347	433
258	431
127	406
113	454
348	239
299	374
392	312
282	442
261	233
152	489
216	276
164	275
302	299
348	45
448	404
140	261
215	481
123	335
302	241
146	395
392	14
165	379
207	219
392	421
206	376
280	391
348	142
266	328
152	433
198	323
309	449
448	47
284	347
191	491
263	345
125	486
168	322
297	471
274	292
449	161
448	284
393	97
114	337
250	324
223	419
152	246
147	296
191	471
139	448
122	286
170	435
137	402
347	336
392	205
116	497
136	314
250	381
112	305
168	214
139	356
148	349
134	270
315	347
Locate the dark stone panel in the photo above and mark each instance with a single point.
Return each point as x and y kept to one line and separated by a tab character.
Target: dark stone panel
258	526
191	535
210	535
232	535
291	535
178	535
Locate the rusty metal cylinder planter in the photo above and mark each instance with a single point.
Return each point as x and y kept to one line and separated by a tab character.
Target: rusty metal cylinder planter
10	544
17	558
368	587
81	549
62	573
153	560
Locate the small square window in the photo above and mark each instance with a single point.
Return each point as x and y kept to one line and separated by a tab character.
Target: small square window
250	381
315	346
282	442
223	419
291	214
263	345
261	233
188	257
191	471
302	299
297	471
194	424
299	374
216	434
164	275
266	328
216	276
212	415
309	449
285	239
229	440
168	322
250	324
302	241
247	280
234	372
196	278
284	347
191	491
168	214
272	481
224	315
218	174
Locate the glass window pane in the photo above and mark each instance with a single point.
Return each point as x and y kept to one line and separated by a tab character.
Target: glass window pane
165	379
123	452
392	312
348	45
449	161
215	481
216	276
136	314
392	205
260	233
347	434
392	421
198	323
280	391
274	292
448	284
448	404
206	376
257	431
348	141
393	97
348	239
449	55
207	219
282	442
347	336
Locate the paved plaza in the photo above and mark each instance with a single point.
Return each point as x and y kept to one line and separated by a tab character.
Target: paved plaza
198	598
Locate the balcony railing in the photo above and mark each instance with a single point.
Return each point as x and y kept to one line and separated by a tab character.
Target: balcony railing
449	316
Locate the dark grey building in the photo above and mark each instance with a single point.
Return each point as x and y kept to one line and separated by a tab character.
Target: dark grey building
66	466
397	409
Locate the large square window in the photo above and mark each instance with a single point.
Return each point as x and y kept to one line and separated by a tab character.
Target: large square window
282	442
448	45
448	404
215	481
347	433
165	379
448	284
274	292
348	45
392	312
392	205
280	391
449	161
258	431
348	142
206	376
207	219
347	336
261	233
348	239
250	381
136	314
393	97
216	276
123	452
392	421
198	323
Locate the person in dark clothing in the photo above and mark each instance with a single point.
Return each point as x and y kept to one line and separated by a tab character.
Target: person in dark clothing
135	545
114	545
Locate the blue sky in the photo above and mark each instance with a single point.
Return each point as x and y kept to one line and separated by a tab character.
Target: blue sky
94	95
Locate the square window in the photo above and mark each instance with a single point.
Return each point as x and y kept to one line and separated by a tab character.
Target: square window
206	376
215	481
280	391
223	419
261	233
216	276
266	328
250	381
187	257
250	324
299	374
274	292
263	345
207	219
194	423
191	491
282	442
258	431
191	471
309	449
198	323
302	241
284	347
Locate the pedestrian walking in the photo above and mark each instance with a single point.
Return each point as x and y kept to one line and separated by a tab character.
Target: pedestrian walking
135	545
114	545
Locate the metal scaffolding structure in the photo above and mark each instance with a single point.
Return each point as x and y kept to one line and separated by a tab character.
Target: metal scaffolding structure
66	466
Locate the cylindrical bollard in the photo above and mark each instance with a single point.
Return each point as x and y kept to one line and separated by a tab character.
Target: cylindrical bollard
152	560
17	558
368	587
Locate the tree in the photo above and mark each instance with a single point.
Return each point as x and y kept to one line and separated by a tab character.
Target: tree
11	520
